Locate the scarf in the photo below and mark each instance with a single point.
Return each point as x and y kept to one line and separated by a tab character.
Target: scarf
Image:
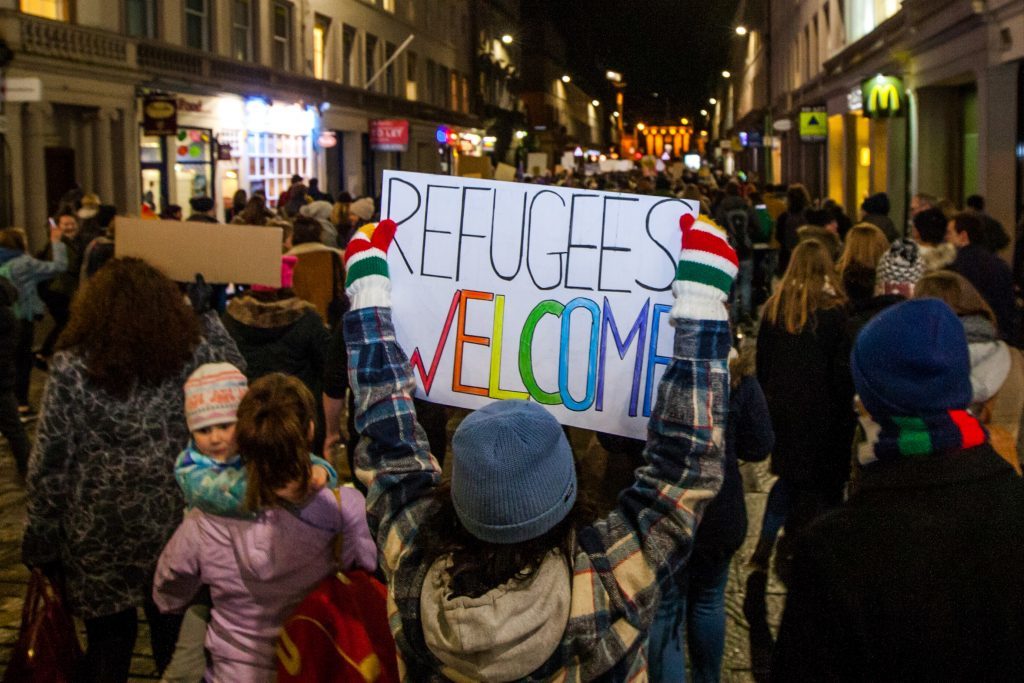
897	436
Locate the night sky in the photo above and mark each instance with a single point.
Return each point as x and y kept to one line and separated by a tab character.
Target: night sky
676	48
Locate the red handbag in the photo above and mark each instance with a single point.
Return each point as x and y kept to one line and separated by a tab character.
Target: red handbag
47	650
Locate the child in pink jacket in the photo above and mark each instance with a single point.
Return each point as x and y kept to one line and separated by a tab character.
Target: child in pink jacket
259	569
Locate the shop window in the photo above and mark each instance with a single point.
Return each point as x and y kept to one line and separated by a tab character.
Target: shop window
197	24
389	73
321	30
193	164
282	35
410	76
348	55
154	171
140	18
242	23
370	58
48	9
273	159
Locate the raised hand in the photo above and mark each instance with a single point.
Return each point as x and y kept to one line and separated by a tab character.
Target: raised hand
705	271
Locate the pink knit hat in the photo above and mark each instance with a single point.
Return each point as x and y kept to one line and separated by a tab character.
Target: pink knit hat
212	395
287	275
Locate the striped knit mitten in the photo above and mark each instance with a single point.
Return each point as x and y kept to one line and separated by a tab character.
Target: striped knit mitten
366	263
707	266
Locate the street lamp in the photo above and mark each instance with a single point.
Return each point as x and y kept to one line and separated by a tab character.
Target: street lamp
726	74
712	101
685	121
507	39
741	30
613	76
615	114
596	103
703	112
566	78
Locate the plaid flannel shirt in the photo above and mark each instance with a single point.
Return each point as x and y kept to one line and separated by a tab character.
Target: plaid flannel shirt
622	562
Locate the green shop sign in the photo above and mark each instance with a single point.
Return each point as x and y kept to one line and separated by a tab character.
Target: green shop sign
883	97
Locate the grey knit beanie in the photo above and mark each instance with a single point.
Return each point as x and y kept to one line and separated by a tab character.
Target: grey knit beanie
513	475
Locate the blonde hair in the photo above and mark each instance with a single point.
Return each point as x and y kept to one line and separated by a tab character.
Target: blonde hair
956	291
808	285
865	246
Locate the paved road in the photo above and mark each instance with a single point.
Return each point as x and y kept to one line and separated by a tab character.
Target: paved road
13	576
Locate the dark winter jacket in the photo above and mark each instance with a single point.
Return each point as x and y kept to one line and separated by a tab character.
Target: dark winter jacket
748	437
916	578
279	336
806	379
8	333
992	278
738	218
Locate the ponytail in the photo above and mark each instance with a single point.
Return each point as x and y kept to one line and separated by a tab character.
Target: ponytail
273	437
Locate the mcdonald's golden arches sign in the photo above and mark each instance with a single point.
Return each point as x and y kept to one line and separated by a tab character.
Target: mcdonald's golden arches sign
883	96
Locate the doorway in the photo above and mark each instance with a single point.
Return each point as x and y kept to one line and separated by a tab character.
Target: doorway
60	175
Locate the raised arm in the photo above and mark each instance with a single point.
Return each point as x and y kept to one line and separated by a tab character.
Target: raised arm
393	458
631	554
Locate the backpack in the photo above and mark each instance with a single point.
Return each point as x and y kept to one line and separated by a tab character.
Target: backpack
737	224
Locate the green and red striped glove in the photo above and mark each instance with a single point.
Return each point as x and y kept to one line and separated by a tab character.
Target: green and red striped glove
705	272
367	281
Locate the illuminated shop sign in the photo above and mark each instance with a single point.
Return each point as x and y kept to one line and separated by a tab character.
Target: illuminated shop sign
883	97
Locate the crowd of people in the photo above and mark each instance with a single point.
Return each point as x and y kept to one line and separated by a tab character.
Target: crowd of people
186	457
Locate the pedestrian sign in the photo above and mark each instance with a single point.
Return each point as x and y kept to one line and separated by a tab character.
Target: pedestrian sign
813	124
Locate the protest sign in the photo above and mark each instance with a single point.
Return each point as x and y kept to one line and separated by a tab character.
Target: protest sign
557	295
222	253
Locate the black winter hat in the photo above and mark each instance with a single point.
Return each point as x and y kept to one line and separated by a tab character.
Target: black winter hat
876	204
201	204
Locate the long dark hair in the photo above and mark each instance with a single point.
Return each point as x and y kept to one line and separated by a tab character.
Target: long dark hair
477	566
131	326
273	429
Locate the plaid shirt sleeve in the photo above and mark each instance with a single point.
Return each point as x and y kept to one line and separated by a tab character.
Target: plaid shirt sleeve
625	560
393	458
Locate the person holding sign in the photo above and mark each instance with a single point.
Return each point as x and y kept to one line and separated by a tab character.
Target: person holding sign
499	576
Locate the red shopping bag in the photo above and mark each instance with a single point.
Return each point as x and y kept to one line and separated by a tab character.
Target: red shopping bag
47	650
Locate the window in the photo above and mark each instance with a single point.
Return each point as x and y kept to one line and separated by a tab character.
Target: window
465	95
282	35
242	42
444	95
388	5
48	9
389	73
431	82
410	76
348	54
321	29
370	58
140	18
197	24
453	86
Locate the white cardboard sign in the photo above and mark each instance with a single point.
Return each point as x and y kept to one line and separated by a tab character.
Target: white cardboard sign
246	254
556	295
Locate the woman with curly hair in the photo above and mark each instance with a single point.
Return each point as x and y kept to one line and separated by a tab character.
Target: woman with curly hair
102	500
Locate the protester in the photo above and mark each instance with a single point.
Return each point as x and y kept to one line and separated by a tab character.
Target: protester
997	370
278	332
859	266
58	292
238	203
738	218
102	500
694	611
319	275
10	422
798	200
900	268
254	213
996	238
876	211
359	212
989	274
26	273
258	570
917	577
203	210
172	212
505	537
320	211
803	343
922	201
316	193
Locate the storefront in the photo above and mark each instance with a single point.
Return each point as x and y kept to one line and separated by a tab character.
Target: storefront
223	144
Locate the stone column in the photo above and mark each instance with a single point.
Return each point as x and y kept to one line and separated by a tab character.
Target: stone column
104	154
15	135
85	159
34	195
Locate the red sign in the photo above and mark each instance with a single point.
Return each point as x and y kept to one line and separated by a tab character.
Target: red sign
389	135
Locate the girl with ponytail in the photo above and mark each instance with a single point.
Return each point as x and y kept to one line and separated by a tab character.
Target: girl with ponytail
260	568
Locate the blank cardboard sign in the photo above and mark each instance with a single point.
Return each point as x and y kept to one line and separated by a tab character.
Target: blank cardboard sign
246	254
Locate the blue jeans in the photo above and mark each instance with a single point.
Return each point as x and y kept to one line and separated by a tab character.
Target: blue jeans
780	502
741	293
692	610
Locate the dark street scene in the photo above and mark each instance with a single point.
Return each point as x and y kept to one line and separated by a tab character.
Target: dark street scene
372	341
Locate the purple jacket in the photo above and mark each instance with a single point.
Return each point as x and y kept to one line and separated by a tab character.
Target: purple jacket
258	571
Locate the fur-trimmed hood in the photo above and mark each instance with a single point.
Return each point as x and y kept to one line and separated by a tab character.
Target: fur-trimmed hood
268	314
